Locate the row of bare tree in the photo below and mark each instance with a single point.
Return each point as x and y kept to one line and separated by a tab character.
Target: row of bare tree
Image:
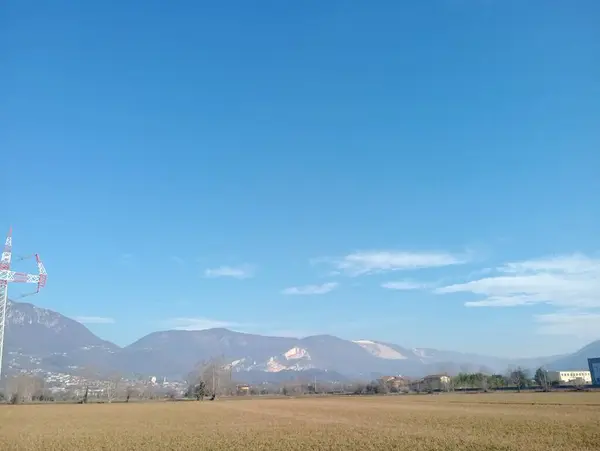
211	378
25	388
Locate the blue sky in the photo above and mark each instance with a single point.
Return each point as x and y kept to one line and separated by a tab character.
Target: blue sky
425	173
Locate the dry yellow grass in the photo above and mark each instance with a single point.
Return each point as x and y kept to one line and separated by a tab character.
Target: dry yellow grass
553	421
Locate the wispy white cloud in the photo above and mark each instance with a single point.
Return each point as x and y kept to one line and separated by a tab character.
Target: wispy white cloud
311	289
370	262
94	320
582	325
565	264
405	285
198	323
565	281
237	272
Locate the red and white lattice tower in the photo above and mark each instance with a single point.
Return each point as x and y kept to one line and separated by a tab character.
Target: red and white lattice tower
7	276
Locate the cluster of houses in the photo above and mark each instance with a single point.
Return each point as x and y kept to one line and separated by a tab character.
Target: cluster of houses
433	382
441	382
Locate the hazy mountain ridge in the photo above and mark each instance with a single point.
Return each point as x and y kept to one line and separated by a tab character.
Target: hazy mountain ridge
577	360
42	338
36	330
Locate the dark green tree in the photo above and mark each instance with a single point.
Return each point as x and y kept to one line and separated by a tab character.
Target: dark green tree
519	378
200	390
541	378
196	390
496	381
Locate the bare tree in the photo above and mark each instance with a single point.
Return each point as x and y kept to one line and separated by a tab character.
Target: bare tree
298	388
227	384
360	388
216	376
21	388
483	381
130	391
39	392
195	385
88	374
148	392
212	377
541	378
518	377
171	393
112	386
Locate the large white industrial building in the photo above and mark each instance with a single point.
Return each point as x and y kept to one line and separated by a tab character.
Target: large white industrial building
570	377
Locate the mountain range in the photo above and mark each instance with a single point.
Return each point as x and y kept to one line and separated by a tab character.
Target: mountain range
41	339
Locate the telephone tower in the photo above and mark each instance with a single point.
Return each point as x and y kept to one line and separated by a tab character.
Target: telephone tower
7	276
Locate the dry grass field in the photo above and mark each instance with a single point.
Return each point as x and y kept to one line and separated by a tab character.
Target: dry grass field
552	421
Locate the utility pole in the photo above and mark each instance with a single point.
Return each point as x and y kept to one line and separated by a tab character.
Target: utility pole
214	387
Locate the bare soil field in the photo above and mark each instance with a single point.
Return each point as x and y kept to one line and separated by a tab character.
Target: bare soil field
544	421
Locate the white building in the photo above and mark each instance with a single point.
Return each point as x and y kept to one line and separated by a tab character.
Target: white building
570	377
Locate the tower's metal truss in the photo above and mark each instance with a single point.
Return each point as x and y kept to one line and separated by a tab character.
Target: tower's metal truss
7	276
